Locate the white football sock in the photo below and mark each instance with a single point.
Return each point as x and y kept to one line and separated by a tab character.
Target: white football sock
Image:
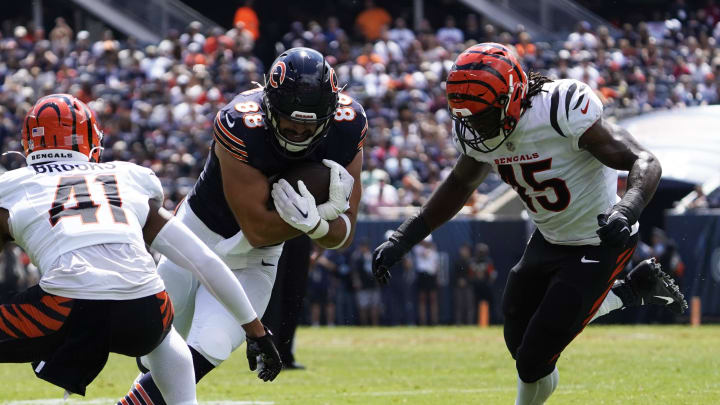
538	392
172	370
609	304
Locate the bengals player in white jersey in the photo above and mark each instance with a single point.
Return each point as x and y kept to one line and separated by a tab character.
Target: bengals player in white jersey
547	139
85	225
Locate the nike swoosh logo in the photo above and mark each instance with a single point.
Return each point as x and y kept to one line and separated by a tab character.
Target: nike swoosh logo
304	214
232	123
265	264
668	300
584	260
584	110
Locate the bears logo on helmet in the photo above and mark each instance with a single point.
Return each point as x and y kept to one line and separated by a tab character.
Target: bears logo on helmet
61	127
486	90
278	70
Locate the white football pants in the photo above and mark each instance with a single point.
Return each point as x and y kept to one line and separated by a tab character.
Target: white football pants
199	317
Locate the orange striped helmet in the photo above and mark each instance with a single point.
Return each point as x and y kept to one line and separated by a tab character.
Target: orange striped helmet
61	127
486	91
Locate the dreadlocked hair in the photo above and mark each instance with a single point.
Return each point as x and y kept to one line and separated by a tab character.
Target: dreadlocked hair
535	84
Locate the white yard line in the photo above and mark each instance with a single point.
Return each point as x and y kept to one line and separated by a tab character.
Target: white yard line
105	401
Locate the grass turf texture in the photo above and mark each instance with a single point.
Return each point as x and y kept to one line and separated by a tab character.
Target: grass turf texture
444	365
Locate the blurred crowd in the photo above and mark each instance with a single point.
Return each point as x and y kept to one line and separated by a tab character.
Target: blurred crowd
429	287
156	102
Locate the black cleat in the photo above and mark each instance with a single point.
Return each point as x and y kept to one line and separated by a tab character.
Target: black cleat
649	285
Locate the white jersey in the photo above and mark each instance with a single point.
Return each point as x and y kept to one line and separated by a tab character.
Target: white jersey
81	224
563	187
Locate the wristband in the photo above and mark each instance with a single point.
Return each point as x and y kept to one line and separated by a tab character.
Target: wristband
320	230
631	205
348	228
411	232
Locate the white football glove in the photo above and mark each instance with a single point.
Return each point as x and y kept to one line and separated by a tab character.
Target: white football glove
298	210
341	185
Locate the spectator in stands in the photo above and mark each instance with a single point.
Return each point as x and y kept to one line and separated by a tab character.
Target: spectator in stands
581	38
334	33
371	20
246	15
525	48
464	295
61	36
472	28
401	34
585	71
379	193
483	276
367	291
321	287
450	35
427	262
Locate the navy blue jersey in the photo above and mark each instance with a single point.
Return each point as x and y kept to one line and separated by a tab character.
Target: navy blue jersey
241	129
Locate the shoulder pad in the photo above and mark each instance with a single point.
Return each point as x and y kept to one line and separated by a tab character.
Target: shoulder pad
574	107
145	178
350	120
233	122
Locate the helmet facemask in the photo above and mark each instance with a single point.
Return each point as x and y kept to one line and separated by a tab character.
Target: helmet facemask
297	149
487	130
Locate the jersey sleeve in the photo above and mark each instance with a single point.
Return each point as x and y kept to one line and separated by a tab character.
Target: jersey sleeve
232	123
10	184
352	127
574	107
148	182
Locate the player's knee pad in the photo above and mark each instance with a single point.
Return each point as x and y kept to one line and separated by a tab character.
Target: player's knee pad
214	343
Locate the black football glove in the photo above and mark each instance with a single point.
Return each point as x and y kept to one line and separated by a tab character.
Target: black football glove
407	235
265	348
384	257
615	228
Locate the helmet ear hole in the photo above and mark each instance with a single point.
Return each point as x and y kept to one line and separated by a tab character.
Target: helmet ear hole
503	99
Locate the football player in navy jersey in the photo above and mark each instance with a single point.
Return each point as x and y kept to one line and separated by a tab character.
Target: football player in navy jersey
298	115
547	139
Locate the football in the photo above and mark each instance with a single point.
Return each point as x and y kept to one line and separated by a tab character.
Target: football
315	175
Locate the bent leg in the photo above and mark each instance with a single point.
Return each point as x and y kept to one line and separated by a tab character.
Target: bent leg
172	369
215	333
32	325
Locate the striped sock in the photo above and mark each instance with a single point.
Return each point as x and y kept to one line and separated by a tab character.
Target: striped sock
144	392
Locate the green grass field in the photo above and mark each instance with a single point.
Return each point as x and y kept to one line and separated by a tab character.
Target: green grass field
444	365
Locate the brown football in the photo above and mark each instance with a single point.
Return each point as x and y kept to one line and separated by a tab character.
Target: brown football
315	175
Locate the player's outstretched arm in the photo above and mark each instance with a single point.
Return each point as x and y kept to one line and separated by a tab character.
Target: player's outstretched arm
443	204
617	149
173	239
246	191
